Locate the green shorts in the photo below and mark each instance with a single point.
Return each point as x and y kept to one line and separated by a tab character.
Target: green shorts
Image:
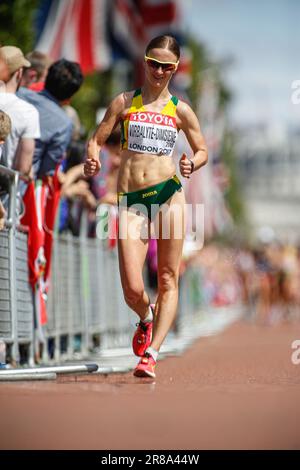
149	200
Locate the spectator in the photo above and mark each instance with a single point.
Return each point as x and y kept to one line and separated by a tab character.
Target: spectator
75	191
5	128
2	216
35	75
19	146
3	68
63	80
73	115
104	185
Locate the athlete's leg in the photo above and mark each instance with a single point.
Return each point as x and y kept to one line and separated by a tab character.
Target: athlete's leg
169	257
132	248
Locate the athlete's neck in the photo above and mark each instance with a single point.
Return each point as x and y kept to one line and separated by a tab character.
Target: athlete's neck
151	94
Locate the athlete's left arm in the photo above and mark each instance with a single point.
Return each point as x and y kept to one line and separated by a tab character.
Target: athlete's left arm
188	122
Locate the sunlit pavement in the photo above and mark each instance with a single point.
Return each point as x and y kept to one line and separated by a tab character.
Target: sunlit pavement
235	389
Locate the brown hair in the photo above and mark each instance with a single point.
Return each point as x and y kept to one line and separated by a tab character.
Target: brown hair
5	125
40	62
164	42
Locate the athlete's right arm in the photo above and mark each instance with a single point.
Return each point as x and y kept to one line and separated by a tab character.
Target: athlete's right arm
103	131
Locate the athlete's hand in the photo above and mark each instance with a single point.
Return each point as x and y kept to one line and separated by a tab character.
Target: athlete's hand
185	166
91	167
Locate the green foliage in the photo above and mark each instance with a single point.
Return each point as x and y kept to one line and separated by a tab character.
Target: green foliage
95	93
225	95
202	65
17	23
199	63
233	195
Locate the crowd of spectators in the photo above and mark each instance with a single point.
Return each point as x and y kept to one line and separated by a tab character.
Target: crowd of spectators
262	279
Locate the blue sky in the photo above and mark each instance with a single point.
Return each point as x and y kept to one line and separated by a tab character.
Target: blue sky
263	37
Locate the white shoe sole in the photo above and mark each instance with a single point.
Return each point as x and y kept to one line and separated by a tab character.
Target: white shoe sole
143	373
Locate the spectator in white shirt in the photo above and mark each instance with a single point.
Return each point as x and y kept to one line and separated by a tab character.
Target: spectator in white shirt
19	146
5	129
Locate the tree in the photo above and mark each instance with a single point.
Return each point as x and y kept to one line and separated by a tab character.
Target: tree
17	23
203	69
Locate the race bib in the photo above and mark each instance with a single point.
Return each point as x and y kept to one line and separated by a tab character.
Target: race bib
150	132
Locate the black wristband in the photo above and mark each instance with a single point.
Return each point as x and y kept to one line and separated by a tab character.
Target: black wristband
193	166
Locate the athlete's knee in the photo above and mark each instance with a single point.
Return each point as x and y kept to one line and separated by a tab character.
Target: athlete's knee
133	293
167	280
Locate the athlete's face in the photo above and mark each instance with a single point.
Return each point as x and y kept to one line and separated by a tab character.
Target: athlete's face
159	74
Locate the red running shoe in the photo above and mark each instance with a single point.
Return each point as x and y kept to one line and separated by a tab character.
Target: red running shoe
142	336
145	367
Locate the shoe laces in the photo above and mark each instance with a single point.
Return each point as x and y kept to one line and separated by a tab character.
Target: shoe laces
146	359
142	325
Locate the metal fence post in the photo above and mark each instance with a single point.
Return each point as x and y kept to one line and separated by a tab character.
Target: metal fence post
12	264
84	284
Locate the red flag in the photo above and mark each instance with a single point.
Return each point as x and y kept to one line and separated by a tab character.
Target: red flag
41	204
36	258
51	205
33	218
135	23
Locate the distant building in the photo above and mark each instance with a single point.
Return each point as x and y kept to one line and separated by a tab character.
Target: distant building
269	170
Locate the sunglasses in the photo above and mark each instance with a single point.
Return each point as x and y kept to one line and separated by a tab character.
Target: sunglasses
156	64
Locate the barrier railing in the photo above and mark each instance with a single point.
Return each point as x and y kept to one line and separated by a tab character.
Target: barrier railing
85	305
16	306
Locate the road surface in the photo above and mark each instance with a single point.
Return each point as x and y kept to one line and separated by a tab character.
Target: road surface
236	390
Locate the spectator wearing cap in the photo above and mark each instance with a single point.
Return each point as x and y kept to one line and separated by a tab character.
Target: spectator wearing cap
19	146
3	69
63	80
35	75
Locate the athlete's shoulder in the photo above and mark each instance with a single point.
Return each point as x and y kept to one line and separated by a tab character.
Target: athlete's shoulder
128	97
118	104
184	114
125	100
183	107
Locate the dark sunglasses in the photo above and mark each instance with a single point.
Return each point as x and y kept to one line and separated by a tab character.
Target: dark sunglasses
156	64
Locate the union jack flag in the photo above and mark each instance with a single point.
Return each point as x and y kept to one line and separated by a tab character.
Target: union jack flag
93	32
76	30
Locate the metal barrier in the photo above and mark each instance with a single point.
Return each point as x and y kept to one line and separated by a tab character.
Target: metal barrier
85	298
16	306
190	296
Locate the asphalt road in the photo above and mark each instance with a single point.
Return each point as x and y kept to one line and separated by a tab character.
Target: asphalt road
236	390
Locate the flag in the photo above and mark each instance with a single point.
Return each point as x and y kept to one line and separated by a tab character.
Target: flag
89	31
33	219
127	28
160	17
134	23
75	30
51	206
41	202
